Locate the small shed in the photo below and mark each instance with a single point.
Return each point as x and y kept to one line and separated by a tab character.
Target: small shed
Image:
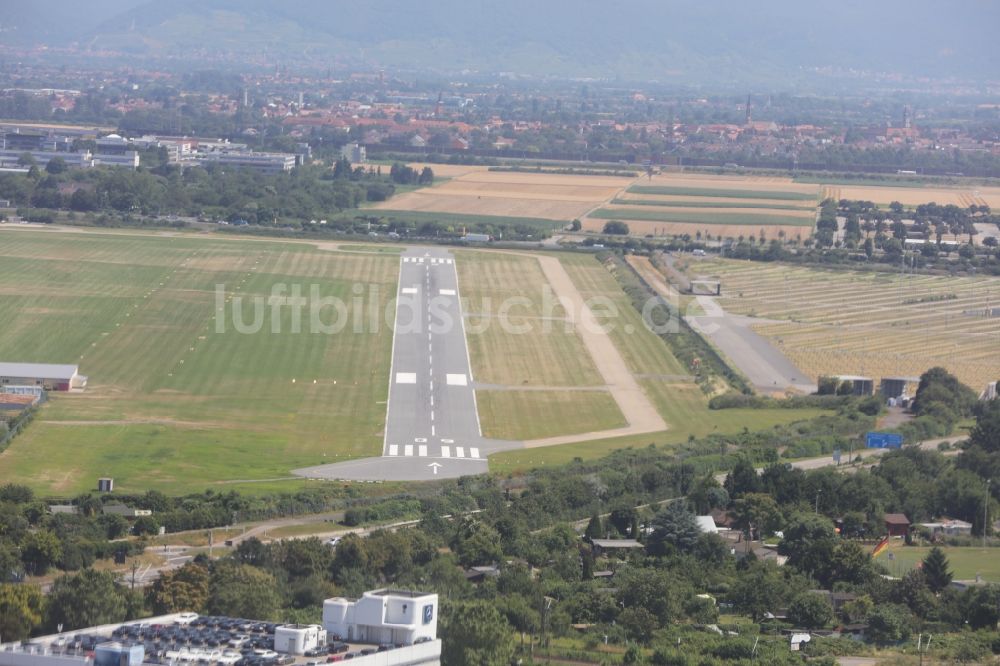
896	524
614	546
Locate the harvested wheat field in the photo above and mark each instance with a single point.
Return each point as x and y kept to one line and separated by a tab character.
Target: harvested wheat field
868	323
449	170
913	196
751	184
712	206
648	228
506	194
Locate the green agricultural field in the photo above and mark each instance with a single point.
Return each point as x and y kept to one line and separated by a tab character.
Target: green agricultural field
176	401
546	413
965	562
689	203
698	217
721	193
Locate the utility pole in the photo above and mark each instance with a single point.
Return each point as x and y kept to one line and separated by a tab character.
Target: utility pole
986	511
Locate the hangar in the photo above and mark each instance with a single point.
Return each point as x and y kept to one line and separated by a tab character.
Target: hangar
51	377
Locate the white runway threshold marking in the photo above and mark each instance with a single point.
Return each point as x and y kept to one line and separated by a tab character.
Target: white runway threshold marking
445	452
408	450
422	450
393	449
459	452
473	452
447	292
406	378
457	380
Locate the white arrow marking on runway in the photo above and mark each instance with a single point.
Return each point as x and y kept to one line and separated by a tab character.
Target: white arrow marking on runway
434	466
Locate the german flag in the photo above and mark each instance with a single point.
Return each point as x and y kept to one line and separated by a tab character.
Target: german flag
880	547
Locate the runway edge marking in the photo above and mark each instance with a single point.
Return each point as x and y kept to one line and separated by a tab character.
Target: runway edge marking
465	339
392	359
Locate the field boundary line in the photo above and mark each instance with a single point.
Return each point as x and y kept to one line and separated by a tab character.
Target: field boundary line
639	412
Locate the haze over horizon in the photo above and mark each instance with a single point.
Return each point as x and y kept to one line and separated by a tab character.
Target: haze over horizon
779	43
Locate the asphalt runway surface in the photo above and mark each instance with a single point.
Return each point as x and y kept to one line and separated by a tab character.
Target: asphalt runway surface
432	424
763	364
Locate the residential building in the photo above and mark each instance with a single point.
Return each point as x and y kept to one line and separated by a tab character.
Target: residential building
354	153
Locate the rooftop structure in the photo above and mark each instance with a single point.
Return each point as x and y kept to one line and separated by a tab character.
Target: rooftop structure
49	376
399	628
383	616
263	162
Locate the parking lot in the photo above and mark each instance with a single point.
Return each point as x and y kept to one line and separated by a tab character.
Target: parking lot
207	640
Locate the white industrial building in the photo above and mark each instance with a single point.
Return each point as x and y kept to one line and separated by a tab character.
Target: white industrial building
383	616
299	638
382	628
262	162
51	377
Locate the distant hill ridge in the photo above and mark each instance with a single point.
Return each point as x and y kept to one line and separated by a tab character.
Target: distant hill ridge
691	41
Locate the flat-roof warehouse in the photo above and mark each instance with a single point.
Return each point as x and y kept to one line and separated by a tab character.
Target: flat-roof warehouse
52	377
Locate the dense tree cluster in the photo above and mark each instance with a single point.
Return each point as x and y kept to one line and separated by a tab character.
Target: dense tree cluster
548	579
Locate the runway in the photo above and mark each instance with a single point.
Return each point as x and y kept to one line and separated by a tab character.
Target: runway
432	424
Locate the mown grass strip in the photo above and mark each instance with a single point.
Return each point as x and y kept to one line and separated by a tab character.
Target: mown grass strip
722	193
746	219
685	203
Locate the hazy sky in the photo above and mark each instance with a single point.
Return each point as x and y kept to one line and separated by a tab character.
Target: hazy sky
720	39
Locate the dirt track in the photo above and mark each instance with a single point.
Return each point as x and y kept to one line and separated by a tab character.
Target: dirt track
634	404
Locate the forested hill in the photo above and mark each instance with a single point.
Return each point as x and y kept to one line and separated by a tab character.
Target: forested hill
719	42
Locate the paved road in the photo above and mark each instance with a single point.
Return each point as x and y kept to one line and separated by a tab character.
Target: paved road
432	425
763	364
864	454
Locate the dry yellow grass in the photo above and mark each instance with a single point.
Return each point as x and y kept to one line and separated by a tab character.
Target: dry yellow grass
508	194
645	228
679	199
912	196
873	324
808	215
754	183
449	170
